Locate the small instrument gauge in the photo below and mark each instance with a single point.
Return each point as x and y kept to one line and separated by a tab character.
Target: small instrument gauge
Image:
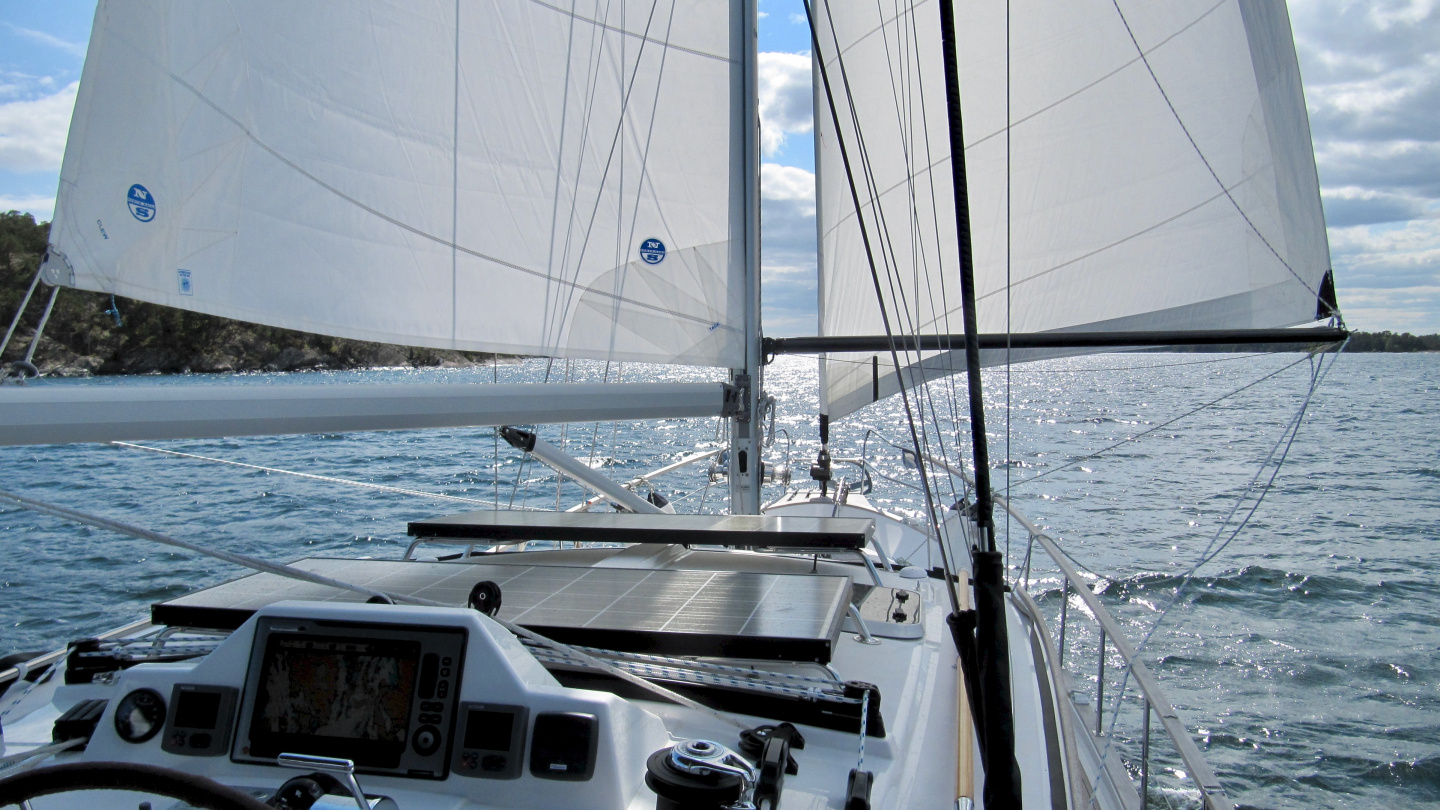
140	715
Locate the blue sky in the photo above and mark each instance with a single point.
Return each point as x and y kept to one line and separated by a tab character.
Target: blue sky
1372	76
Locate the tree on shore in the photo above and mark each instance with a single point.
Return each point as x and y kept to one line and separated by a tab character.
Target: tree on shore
85	336
88	334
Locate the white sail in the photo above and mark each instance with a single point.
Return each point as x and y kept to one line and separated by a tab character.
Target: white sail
556	178
1158	165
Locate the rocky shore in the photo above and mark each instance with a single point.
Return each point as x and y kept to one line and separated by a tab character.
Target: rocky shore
247	353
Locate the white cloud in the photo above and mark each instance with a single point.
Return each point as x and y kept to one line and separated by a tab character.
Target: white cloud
787	183
1388	275
42	208
785	98
43	38
1352	205
1372	85
1404	309
787	217
33	133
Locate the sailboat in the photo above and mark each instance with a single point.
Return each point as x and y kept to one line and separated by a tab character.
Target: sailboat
997	182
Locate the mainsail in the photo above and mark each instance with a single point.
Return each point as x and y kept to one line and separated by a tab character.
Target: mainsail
1156	173
529	177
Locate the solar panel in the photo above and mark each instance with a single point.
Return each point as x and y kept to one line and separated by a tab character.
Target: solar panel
740	531
732	614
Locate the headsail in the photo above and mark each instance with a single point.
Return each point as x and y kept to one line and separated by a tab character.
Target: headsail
1160	174
555	178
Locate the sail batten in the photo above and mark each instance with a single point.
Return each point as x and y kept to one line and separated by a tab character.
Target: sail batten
523	178
1140	166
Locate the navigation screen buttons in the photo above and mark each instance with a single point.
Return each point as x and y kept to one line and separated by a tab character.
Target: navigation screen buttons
426	740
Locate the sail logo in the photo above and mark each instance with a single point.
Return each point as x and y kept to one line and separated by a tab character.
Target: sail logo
141	202
652	251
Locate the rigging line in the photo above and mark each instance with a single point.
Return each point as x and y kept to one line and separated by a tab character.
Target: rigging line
24	302
326	478
1125	240
1228	359
559	164
889	259
40	327
1009	254
1317	375
622	246
293	572
1285	440
615	140
871	185
595	55
1021	369
495	437
949	378
615	426
904	111
1101	80
644	38
595	435
401	224
1097	251
455	192
1025	119
1167	423
875	279
119	527
1210	168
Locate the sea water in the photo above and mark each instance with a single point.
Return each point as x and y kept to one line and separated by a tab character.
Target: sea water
1304	658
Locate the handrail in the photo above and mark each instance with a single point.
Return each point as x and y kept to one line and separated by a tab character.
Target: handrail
1196	765
13	673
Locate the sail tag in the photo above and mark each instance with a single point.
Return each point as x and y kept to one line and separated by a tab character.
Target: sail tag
652	251
186	288
141	202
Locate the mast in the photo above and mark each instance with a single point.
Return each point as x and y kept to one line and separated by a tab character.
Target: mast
745	472
991	641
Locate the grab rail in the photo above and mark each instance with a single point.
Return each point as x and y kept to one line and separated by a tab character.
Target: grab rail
1154	698
1199	770
17	672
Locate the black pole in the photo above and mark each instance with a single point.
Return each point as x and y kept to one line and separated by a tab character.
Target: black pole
985	499
1317	336
997	732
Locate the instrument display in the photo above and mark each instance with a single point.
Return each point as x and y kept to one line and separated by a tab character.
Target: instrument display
140	715
200	724
380	695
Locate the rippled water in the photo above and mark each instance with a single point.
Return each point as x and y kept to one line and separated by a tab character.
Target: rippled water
1306	656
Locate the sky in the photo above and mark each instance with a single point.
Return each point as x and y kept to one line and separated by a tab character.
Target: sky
1372	82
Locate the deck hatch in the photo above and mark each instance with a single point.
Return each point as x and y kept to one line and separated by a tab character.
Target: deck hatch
733	614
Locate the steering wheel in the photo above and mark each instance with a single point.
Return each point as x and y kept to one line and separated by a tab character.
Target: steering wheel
190	788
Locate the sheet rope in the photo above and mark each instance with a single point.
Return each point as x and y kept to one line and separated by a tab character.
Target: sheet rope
291	572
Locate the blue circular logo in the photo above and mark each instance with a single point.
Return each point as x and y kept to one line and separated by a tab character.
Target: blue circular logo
141	202
652	251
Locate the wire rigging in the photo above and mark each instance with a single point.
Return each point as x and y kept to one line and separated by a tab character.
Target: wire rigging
875	279
1318	370
1166	423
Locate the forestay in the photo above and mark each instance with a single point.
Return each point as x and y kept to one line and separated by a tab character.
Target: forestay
524	177
1158	168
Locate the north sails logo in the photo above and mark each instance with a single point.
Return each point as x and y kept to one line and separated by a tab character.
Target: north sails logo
141	202
652	251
